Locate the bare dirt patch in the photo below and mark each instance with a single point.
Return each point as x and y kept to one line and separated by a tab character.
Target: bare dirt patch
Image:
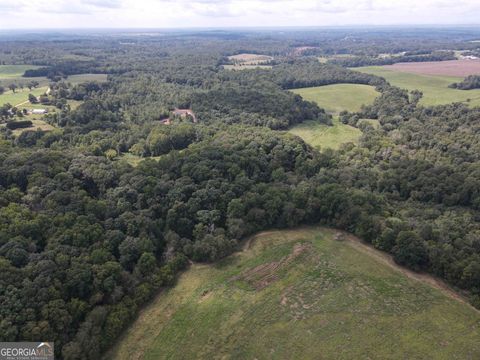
263	275
461	68
302	49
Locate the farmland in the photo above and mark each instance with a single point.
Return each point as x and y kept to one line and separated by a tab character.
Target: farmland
324	136
335	98
460	68
434	87
308	293
248	61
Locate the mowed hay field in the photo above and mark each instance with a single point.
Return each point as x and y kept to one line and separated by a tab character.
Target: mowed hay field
335	98
434	87
310	293
326	137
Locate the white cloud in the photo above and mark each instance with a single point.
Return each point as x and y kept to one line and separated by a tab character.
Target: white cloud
224	13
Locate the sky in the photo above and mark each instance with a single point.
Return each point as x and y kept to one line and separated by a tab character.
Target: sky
31	14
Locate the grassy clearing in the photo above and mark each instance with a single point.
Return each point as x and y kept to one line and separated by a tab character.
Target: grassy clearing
20	95
434	87
335	98
246	67
134	160
248	61
326	137
14	71
302	294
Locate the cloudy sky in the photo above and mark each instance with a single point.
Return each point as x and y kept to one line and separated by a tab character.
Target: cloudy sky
232	13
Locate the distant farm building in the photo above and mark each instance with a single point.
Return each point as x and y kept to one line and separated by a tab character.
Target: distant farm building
38	111
184	113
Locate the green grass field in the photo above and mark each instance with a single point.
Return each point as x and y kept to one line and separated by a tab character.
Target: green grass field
14	71
335	98
435	88
310	293
20	95
326	137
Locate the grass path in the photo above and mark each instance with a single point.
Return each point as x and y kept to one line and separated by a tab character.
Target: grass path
309	293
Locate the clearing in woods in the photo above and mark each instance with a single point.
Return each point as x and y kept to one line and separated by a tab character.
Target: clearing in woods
248	61
309	293
434	87
324	136
20	96
339	97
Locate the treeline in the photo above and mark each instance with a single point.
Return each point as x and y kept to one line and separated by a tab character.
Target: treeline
358	61
62	70
469	83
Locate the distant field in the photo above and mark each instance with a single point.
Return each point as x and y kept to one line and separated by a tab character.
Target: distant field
246	67
335	98
13	74
12	71
310	293
435	88
460	68
326	137
20	96
77	79
250	59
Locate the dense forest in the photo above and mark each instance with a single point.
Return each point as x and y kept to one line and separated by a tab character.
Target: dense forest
86	238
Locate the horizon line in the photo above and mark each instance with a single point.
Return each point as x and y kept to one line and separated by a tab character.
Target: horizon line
422	25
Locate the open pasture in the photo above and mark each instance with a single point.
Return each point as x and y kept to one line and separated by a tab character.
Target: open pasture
339	97
14	71
309	293
20	96
434	87
81	78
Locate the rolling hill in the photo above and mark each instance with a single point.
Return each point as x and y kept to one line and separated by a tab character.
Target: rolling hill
309	293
